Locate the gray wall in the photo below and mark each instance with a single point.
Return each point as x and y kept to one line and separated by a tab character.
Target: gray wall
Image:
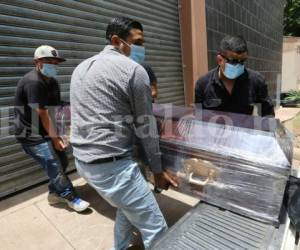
260	22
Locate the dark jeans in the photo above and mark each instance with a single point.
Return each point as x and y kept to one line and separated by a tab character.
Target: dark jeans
54	163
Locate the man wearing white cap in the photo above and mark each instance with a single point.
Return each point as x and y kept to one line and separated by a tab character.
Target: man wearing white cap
36	96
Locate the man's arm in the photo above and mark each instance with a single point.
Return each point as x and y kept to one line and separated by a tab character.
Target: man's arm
199	95
50	129
151	74
154	91
267	107
153	79
145	124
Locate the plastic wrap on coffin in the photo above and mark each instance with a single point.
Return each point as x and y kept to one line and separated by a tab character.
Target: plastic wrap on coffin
237	166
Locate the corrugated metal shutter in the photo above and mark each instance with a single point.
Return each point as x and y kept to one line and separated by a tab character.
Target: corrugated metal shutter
77	29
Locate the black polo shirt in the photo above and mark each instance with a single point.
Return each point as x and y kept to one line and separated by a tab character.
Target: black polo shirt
249	89
34	92
150	72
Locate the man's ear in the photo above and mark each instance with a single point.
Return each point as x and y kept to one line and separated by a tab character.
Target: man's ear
115	41
37	63
219	59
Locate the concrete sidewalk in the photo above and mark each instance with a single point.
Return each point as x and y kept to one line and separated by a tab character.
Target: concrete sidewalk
28	222
291	120
285	114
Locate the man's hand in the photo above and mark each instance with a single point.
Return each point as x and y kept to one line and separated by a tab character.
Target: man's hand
58	144
164	180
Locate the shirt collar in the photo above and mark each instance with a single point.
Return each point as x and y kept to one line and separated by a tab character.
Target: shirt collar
110	48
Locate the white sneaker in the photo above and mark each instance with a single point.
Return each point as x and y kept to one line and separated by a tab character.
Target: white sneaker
78	204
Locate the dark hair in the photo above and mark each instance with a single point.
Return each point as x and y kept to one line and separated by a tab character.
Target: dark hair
121	26
236	44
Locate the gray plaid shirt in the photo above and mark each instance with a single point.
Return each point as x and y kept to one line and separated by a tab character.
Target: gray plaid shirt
110	103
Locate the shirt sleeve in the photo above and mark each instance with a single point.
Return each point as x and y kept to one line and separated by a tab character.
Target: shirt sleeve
267	108
58	99
144	120
36	95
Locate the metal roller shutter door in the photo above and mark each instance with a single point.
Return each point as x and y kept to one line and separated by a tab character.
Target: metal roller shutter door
77	29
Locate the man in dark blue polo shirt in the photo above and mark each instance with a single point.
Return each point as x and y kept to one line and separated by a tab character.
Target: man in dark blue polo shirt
231	87
153	80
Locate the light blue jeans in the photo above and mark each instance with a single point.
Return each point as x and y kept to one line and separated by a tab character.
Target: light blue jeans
122	185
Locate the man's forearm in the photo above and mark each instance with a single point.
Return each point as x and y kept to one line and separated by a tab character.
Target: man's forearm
48	124
153	154
146	131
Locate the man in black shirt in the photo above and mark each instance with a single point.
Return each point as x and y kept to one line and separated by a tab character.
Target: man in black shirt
36	97
231	87
153	80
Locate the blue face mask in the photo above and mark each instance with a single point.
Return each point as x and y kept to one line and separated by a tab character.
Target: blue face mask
137	53
49	70
233	71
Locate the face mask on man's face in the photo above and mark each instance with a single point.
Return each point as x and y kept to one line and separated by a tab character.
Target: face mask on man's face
137	52
233	71
49	70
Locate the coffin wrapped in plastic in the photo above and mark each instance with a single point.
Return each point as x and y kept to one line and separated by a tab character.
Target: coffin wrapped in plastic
237	162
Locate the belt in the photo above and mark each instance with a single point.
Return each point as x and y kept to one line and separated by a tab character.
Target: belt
109	159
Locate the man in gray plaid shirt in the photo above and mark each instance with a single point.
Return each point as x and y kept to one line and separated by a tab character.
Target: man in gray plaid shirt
110	102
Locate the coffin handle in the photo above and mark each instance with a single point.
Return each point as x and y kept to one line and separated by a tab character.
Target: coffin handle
201	183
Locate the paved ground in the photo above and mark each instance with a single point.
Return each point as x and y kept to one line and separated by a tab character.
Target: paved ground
290	117
285	114
28	222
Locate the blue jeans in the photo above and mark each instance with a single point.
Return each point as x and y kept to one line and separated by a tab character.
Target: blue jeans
54	163
122	185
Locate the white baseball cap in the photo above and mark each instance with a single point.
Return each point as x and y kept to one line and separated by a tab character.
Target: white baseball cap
46	51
